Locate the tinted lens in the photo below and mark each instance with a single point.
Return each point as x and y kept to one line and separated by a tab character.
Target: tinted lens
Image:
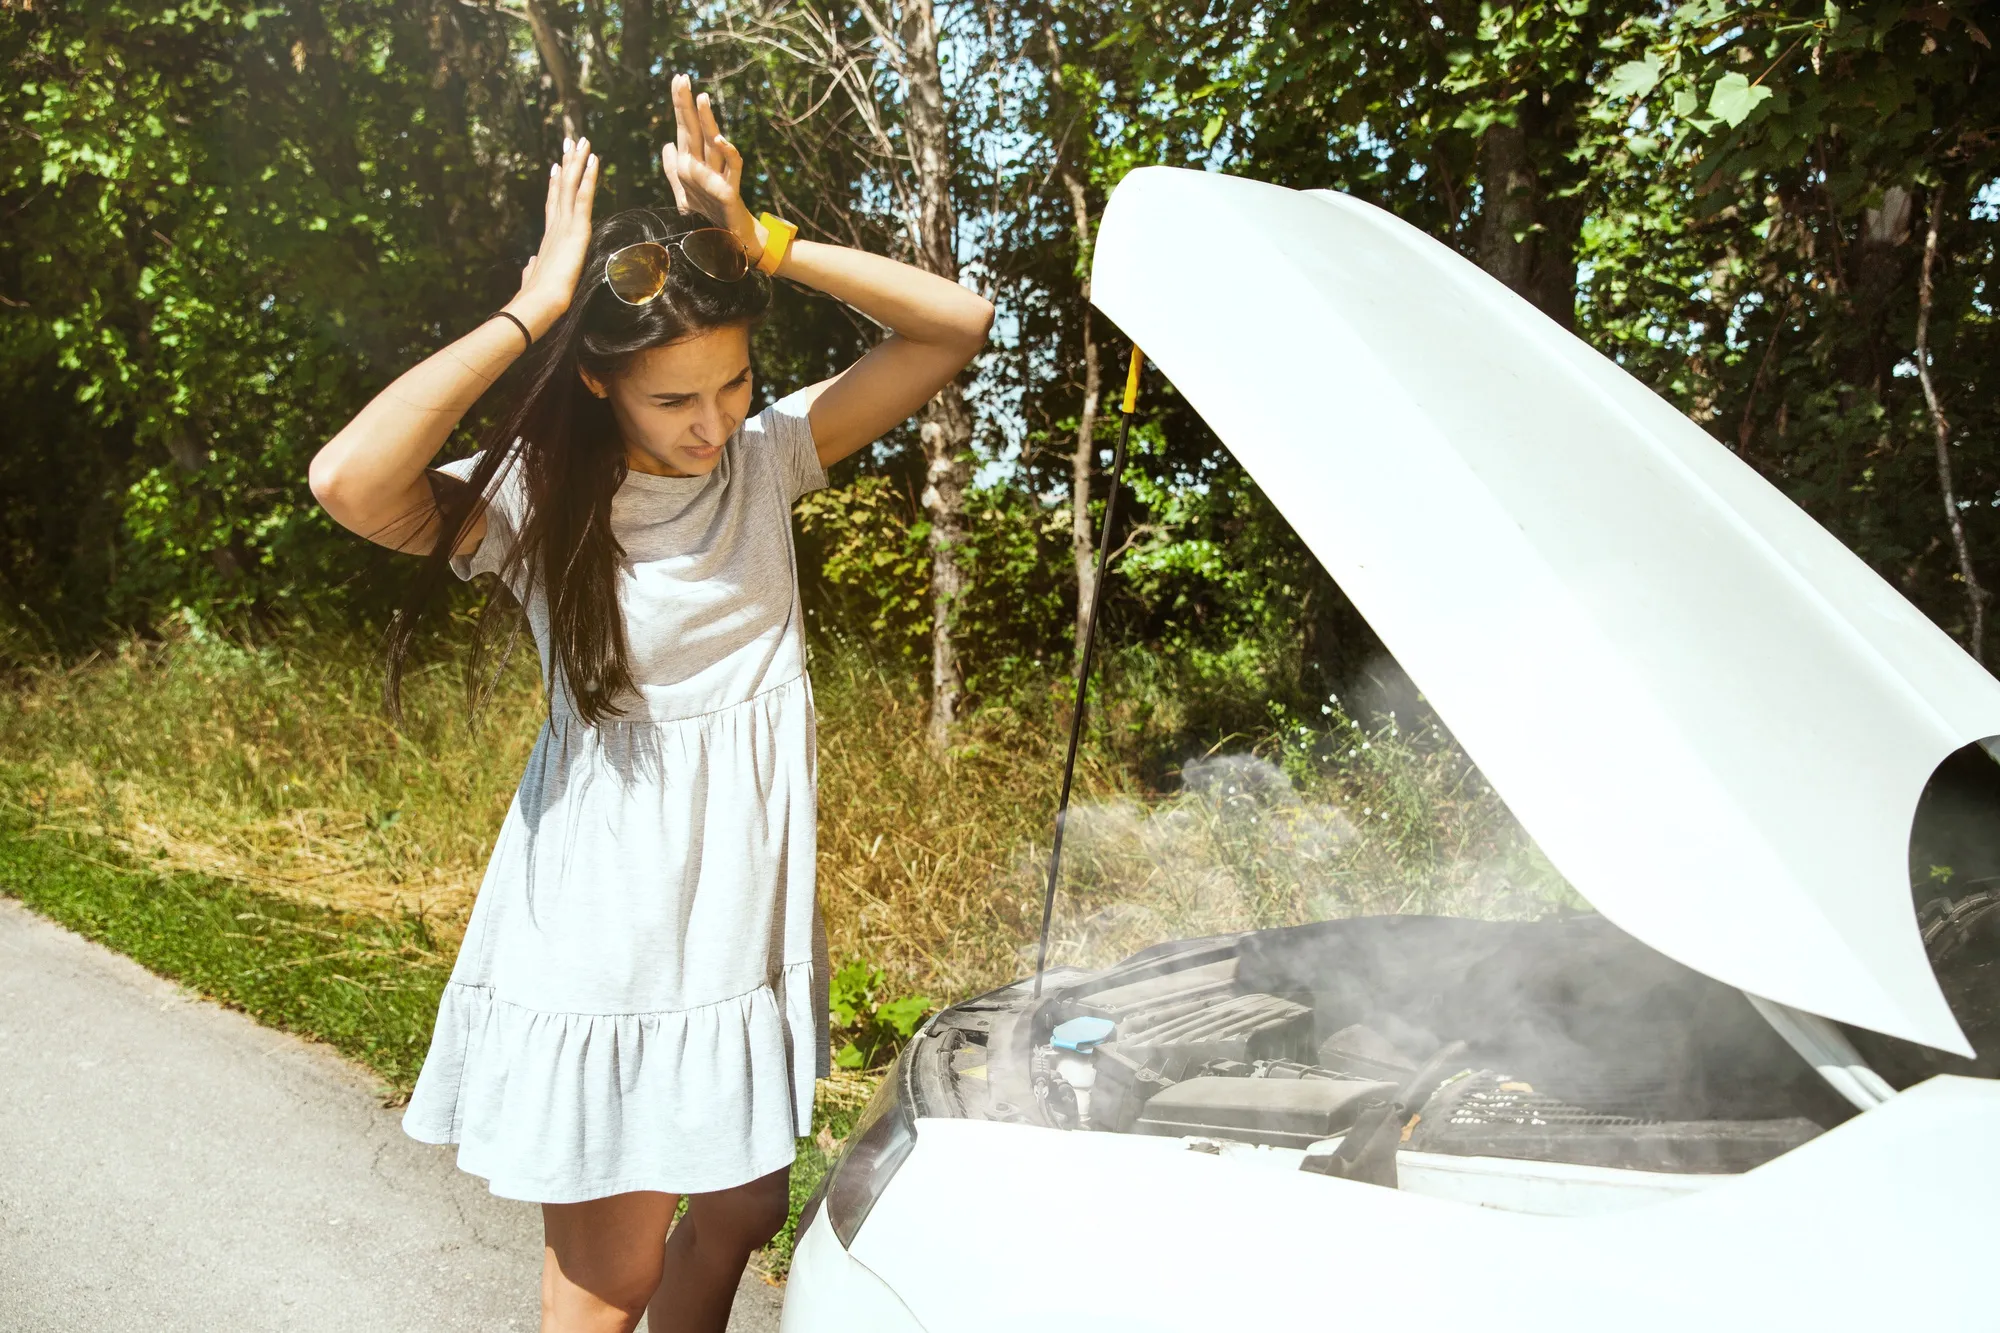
637	273
717	253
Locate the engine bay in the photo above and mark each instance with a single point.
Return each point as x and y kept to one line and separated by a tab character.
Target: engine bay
1562	1041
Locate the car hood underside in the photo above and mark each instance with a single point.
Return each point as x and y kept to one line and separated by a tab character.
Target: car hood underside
1713	717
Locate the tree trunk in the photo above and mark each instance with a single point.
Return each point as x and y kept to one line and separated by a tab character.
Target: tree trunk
1082	461
313	56
635	41
548	43
1523	237
1878	266
1506	245
945	420
1083	457
946	428
1975	595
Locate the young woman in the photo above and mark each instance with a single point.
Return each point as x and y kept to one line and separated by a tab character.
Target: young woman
637	1013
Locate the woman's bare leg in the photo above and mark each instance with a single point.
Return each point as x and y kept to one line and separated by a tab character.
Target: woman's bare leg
706	1254
601	1261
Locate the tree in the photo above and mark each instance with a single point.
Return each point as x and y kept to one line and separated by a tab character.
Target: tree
877	87
1073	130
946	430
209	261
1819	145
569	76
1464	118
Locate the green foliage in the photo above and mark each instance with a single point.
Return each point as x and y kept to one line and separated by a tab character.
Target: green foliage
1764	274
874	1025
228	225
870	563
1735	97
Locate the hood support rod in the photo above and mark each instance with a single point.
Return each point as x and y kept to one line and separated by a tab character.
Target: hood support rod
1125	409
1827	1049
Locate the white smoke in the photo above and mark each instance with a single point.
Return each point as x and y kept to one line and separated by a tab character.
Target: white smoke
1240	847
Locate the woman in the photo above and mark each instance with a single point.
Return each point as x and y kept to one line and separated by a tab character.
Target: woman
637	1013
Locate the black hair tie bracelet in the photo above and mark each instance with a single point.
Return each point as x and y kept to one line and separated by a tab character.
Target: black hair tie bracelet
515	320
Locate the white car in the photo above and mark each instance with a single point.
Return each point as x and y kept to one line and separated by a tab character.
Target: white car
1715	721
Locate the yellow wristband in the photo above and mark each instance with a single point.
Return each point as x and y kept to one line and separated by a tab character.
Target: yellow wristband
778	235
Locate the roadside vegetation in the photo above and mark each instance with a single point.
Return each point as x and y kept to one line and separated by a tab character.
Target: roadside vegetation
270	765
239	815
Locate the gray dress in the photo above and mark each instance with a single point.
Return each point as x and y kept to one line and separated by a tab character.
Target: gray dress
639	1003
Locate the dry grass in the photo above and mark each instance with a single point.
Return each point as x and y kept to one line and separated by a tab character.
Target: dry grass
929	863
274	767
1342	822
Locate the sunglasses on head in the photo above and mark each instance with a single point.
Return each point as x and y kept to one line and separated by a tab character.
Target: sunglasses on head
638	273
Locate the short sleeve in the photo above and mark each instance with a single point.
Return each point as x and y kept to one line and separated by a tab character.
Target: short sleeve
788	434
504	507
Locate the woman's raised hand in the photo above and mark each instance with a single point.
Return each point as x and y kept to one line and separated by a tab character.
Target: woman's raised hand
705	170
549	281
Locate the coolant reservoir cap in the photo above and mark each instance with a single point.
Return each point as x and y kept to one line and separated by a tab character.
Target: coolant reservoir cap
1081	1034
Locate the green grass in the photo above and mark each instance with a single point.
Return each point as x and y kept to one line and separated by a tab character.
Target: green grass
271	764
368	986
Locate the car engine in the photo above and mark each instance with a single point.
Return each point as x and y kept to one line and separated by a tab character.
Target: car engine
1561	1040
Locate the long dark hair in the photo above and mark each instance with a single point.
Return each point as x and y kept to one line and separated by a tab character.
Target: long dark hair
572	461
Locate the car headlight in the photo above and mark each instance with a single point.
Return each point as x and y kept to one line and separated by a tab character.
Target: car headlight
879	1142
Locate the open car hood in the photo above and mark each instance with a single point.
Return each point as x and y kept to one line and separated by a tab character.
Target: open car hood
1713	717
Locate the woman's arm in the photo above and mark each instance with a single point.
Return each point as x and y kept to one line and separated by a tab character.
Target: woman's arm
371	476
936	326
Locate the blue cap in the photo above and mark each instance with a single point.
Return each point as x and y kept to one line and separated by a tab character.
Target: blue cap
1081	1034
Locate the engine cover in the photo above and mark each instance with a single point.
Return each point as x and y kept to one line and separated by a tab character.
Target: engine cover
1277	1112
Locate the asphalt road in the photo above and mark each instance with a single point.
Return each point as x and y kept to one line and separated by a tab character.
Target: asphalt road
167	1165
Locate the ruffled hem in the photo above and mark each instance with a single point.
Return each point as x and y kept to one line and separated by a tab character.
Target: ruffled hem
565	1107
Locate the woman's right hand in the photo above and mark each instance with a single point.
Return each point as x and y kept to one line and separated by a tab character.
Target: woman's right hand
371	475
548	283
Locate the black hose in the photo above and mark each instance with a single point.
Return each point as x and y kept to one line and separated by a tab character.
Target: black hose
1368	1151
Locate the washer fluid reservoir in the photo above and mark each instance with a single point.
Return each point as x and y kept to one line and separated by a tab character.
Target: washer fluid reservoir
1076	1043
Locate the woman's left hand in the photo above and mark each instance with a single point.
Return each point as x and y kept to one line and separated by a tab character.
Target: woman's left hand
705	170
936	326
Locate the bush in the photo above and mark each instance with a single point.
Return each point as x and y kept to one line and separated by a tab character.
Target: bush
875	1027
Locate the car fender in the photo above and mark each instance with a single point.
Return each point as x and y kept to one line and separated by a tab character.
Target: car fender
829	1291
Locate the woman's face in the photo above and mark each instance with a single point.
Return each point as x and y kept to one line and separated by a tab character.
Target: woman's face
677	405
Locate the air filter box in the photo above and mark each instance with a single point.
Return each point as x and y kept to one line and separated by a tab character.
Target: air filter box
1279	1112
